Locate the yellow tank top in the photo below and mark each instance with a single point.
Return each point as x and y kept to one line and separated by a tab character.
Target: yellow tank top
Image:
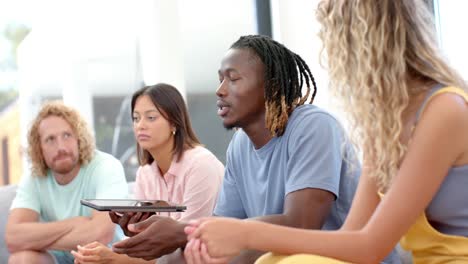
428	245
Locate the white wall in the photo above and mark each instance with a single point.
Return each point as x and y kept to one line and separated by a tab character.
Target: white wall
208	28
81	49
295	25
452	20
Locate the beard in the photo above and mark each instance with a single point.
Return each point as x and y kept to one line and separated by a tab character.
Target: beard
64	166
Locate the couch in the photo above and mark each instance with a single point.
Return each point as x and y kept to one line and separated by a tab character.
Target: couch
7	193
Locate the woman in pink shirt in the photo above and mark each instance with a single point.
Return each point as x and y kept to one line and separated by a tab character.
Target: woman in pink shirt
174	166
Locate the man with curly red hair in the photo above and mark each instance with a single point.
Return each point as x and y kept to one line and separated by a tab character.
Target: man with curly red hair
46	220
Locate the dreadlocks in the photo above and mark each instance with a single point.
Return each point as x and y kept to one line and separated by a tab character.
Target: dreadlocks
285	72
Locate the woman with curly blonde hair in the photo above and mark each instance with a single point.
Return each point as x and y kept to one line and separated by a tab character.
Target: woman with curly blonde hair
409	114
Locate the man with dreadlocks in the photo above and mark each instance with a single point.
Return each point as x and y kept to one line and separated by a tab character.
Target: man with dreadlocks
288	164
285	164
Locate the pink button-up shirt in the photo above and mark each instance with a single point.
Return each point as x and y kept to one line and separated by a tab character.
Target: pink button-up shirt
194	181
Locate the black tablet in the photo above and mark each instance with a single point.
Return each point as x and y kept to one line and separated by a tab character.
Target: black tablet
126	205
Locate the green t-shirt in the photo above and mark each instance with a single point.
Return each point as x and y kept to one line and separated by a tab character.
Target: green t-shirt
103	177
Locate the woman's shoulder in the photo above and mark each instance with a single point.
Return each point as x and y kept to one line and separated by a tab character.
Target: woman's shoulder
448	100
200	157
448	96
445	116
198	153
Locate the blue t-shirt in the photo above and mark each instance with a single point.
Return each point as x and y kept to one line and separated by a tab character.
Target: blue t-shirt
312	153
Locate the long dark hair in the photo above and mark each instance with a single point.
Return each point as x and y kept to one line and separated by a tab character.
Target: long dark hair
170	103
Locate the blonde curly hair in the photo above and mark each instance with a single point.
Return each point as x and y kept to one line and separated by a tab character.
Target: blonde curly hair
86	144
373	50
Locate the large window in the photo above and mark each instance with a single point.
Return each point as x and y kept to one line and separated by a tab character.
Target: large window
451	21
95	64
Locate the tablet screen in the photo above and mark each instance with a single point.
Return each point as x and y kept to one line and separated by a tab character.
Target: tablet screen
124	205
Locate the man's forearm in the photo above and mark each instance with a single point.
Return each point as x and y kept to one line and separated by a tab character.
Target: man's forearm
58	235
162	236
83	231
35	236
180	238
